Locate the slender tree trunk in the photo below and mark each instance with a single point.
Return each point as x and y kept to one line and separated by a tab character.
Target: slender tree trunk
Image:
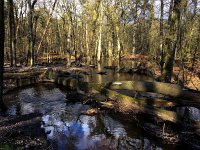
2	31
171	41
18	24
87	44
110	50
118	42
99	50
161	34
45	30
151	45
58	36
31	52
143	41
69	45
135	31
12	39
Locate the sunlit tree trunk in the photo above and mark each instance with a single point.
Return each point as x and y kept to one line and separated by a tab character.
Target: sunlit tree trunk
45	30
69	46
110	50
118	43
135	28
171	41
99	48
161	35
87	43
31	52
151	44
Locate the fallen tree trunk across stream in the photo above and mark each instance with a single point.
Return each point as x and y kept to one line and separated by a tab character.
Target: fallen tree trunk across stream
126	103
150	115
138	106
131	104
156	87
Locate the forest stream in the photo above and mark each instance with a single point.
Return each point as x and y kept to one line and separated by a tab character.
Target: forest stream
67	127
99	74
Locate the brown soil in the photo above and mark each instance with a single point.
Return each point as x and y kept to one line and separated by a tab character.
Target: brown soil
23	132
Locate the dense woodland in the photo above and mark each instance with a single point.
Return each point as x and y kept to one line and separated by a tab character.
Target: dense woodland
161	38
92	31
166	33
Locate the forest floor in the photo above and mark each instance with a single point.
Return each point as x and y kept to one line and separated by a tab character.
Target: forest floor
187	76
22	132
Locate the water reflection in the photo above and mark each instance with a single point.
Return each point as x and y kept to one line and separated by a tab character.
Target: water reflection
95	132
35	99
66	128
112	75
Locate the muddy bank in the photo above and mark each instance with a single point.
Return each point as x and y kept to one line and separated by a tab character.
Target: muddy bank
22	132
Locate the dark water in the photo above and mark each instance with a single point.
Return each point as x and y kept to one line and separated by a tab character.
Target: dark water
112	75
66	128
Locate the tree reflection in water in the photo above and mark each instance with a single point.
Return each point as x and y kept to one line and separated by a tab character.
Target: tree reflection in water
89	132
67	129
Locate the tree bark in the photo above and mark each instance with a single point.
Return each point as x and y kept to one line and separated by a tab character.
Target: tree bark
99	49
126	103
31	52
12	33
45	30
171	41
2	36
87	44
161	34
157	87
129	104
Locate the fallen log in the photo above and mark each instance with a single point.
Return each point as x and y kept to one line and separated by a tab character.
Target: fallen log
72	83
132	105
126	103
21	75
157	87
140	107
23	131
19	124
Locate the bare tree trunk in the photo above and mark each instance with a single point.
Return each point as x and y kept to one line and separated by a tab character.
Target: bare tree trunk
171	41
161	34
118	43
69	46
12	34
135	30
2	31
31	52
197	46
45	30
19	21
110	50
99	50
87	44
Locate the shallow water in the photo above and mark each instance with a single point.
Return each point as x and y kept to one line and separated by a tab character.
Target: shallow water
66	128
112	75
